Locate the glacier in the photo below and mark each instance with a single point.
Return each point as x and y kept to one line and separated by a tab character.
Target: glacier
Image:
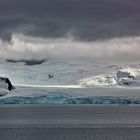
108	83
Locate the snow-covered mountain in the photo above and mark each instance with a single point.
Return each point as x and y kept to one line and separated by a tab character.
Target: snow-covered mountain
122	77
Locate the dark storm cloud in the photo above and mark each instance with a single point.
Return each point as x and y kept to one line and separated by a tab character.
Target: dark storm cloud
88	19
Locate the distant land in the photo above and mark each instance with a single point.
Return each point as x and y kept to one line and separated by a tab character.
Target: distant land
27	62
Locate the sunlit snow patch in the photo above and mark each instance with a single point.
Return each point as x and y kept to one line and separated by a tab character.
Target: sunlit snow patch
122	77
48	86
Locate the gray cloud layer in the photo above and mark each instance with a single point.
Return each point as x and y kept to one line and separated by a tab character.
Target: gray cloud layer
26	48
86	19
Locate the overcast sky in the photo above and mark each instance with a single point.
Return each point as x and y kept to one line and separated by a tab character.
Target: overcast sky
86	19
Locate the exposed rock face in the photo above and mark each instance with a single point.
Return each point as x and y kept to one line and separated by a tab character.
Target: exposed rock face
27	62
5	83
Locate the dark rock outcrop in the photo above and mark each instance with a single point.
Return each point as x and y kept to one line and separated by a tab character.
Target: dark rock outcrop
5	83
27	62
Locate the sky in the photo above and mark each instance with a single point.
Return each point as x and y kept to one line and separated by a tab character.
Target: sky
42	29
84	19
